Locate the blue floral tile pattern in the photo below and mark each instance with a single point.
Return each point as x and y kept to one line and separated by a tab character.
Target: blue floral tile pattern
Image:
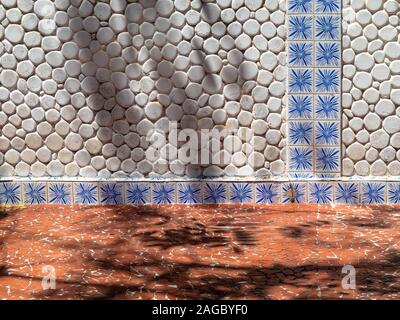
215	192
393	193
59	192
163	193
137	193
300	132
241	192
327	27
327	54
346	193
267	193
327	107
327	133
301	158
300	80
294	193
189	193
327	80
373	193
300	54
314	85
327	159
10	193
111	193
85	193
321	192
300	6
300	28
327	6
300	107
35	193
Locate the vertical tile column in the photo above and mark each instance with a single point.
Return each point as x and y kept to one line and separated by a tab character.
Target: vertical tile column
314	83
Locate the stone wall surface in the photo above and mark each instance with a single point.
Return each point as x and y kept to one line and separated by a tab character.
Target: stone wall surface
371	88
83	82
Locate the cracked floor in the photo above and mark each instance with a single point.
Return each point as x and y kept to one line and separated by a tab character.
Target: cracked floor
199	252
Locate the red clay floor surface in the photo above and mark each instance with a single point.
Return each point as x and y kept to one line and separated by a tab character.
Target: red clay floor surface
200	252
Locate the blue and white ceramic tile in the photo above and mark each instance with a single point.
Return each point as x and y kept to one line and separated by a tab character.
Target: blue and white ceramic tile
300	132
327	159
111	193
300	6
327	27
327	107
163	193
137	193
327	6
327	54
189	193
267	193
35	193
393	193
314	81
327	133
215	192
294	192
300	80
300	27
320	192
300	107
373	192
346	193
86	193
10	193
241	192
301	158
300	54
59	192
327	80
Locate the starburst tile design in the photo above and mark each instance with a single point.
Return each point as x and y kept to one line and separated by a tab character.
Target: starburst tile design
346	193
314	97
327	27
300	80
85	193
373	193
327	6
60	192
300	28
300	107
294	192
327	159
300	6
301	158
327	107
35	193
300	132
189	193
241	192
327	133
10	193
163	193
393	193
321	192
111	193
327	54
267	193
137	193
300	54
215	192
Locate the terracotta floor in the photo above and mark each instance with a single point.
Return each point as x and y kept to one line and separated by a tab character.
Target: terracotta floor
198	252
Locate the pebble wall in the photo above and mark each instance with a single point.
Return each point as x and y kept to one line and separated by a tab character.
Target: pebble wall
371	88
82	82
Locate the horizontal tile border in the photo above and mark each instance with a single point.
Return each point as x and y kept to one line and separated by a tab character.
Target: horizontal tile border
335	191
